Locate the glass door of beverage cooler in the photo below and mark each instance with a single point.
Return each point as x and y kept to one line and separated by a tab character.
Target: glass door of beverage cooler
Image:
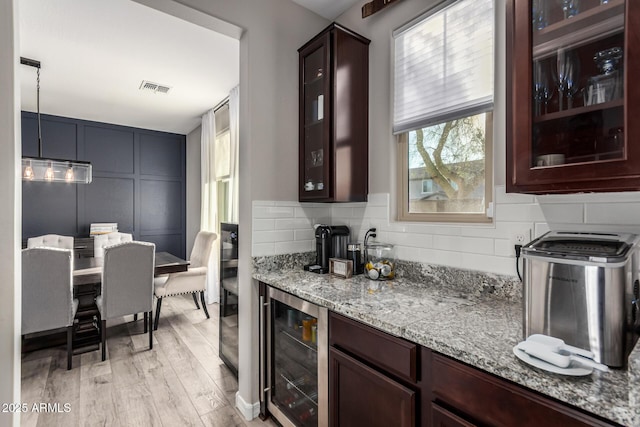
297	369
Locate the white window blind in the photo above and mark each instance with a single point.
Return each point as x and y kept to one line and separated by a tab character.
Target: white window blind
444	65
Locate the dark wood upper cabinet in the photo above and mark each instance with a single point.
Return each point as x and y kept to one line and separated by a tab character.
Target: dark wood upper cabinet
333	119
572	96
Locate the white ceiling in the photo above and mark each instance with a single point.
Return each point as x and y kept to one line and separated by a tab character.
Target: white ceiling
329	9
95	53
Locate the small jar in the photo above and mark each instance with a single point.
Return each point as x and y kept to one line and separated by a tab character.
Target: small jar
354	253
381	262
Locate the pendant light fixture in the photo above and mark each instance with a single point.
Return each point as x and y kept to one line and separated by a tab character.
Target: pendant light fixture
51	170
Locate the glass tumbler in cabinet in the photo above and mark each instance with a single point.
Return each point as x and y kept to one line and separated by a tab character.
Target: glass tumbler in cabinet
567	127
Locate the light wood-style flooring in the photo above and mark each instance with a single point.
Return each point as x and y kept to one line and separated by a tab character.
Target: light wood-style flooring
181	382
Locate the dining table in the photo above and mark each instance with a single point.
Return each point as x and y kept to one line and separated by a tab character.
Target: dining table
88	270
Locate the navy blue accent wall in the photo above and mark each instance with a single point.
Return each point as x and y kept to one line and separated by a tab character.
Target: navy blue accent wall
139	181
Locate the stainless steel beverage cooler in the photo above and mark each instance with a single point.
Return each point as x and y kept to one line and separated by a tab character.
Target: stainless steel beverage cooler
228	348
584	289
293	359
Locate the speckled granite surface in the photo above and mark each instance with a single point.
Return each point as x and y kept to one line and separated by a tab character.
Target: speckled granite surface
474	318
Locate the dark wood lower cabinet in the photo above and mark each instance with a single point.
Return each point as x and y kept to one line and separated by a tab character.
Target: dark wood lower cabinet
440	417
362	396
379	380
482	399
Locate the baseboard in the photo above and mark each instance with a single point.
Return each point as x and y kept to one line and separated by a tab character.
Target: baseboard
248	410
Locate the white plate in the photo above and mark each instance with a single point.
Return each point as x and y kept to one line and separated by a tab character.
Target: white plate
533	361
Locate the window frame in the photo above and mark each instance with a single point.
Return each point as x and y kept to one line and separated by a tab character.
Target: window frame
402	150
402	154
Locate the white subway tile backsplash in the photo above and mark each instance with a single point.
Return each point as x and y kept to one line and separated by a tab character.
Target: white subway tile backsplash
566	213
464	244
273	212
377	213
263	249
540	229
408	253
518	212
293	247
504	247
272	236
378	199
263	224
293	224
414	240
621	197
286	227
605	213
304	234
502	197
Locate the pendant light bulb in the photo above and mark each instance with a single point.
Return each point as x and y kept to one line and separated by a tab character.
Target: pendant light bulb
48	175
28	172
68	176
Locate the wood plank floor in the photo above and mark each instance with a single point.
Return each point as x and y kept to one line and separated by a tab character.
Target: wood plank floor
181	382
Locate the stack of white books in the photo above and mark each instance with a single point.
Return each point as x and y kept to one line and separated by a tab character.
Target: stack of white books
103	228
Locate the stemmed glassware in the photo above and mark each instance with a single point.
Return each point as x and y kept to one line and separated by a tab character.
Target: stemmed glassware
542	88
570	8
572	73
568	68
539	14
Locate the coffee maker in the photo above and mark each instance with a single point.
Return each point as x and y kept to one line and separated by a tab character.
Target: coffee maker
331	242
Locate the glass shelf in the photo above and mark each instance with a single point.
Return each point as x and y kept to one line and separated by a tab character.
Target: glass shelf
557	115
592	24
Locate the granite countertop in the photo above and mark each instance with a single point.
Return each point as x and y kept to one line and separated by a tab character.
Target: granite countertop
476	324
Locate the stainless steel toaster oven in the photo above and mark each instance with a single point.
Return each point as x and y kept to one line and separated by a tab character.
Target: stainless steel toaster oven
584	289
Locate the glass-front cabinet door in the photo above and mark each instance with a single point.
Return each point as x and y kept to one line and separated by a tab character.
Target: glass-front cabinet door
295	364
571	95
294	371
315	155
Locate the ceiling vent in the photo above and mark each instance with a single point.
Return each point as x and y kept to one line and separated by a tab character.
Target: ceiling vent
154	87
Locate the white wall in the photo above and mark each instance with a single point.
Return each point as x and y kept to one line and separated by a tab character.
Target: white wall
10	212
273	30
194	194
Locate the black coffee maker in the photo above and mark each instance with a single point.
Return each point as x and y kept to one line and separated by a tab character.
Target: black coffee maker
329	243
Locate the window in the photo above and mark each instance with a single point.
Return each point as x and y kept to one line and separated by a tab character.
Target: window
427	186
223	162
443	103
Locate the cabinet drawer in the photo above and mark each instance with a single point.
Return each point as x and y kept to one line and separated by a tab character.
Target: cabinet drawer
392	354
362	396
486	399
440	417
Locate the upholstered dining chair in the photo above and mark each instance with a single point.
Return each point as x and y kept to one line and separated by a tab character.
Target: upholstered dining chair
50	241
192	281
102	240
127	285
47	292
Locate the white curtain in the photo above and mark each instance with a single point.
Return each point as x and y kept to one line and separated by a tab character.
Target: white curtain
209	211
234	152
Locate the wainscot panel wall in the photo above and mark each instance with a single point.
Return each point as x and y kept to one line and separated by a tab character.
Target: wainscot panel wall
139	181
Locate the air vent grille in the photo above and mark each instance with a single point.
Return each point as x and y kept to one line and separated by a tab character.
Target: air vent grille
154	87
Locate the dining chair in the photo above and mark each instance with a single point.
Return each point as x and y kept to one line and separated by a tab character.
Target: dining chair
50	241
127	285
102	240
47	292
192	281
